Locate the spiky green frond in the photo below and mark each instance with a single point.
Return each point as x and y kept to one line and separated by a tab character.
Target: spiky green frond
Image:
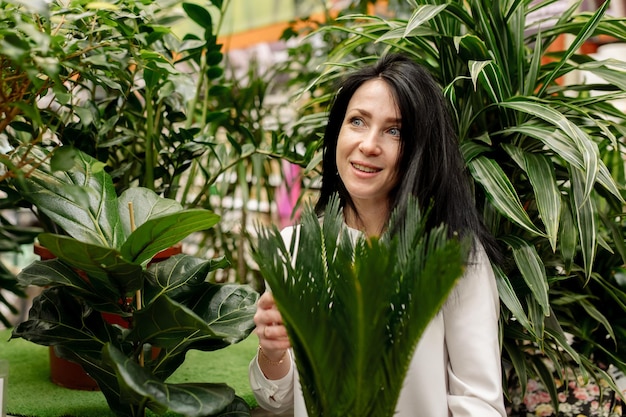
354	307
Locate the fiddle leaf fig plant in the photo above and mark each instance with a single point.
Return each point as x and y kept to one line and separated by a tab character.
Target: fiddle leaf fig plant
104	265
361	299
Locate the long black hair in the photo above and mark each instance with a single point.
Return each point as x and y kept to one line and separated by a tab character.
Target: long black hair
431	166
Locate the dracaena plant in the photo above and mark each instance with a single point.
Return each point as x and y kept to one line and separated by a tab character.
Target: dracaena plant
359	299
545	150
101	266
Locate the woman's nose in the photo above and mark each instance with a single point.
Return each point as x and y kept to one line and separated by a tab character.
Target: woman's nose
369	143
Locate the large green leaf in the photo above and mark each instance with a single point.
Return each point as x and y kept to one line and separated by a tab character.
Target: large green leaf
100	295
140	387
59	319
159	233
226	308
542	177
221	315
146	205
51	273
82	200
179	277
167	324
105	267
327	286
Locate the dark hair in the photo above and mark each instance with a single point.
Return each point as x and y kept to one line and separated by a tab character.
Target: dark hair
430	160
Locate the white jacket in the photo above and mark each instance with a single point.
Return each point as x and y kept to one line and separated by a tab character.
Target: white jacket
456	367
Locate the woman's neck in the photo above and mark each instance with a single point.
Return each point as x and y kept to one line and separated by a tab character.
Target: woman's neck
370	220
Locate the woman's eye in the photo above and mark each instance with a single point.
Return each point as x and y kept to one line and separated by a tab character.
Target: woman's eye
394	131
356	122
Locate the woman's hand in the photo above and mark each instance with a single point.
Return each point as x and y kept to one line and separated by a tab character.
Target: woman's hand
273	339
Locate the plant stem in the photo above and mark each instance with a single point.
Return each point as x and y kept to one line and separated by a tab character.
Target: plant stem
131	212
148	180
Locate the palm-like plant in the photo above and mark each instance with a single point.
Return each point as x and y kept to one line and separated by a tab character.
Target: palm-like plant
545	154
339	315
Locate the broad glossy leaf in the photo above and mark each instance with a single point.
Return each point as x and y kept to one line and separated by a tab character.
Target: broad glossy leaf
139	386
167	324
56	273
82	201
58	318
146	204
162	232
501	192
105	267
476	68
566	148
179	277
238	408
221	315
397	33
537	319
611	70
471	150
51	273
227	308
606	180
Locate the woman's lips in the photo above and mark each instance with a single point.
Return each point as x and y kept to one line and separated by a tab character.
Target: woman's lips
365	168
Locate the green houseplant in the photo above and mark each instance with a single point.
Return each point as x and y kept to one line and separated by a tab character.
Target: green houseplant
118	92
545	151
327	286
101	267
148	94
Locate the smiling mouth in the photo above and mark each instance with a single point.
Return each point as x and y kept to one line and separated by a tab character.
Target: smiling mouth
363	168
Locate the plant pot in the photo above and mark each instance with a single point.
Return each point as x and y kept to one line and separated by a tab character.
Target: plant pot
71	375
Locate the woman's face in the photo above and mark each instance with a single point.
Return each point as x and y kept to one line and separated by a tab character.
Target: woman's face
368	146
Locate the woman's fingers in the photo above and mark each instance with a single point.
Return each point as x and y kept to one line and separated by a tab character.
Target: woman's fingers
266	301
267	313
269	325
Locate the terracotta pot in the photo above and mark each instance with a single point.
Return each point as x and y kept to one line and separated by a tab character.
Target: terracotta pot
71	375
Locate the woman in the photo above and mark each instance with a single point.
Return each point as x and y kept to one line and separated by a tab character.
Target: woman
389	136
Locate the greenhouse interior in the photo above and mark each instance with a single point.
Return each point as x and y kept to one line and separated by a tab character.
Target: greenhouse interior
246	208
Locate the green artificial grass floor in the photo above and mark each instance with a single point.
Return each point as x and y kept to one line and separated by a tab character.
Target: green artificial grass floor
30	392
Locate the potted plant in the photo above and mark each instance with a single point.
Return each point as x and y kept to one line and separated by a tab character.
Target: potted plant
331	299
101	266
